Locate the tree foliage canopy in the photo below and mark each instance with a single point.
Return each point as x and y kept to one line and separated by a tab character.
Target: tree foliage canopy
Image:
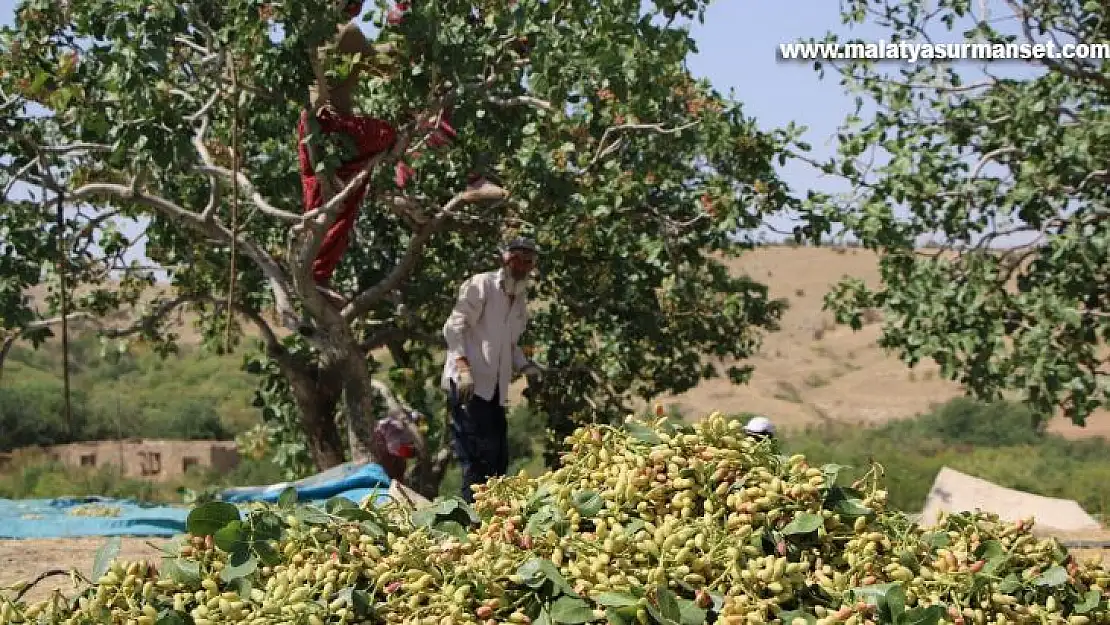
629	171
1008	173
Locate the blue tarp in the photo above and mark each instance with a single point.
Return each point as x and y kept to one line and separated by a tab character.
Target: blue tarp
56	518
338	481
63	518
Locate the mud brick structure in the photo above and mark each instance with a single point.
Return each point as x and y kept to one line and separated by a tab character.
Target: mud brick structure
145	458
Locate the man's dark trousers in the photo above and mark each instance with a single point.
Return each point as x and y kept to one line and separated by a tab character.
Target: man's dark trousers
480	436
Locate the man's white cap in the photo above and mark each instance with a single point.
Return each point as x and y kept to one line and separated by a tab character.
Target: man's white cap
760	425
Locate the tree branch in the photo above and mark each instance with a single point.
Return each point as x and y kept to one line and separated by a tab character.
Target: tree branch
605	150
383	337
363	301
522	100
256	198
213	170
207	227
1077	72
993	155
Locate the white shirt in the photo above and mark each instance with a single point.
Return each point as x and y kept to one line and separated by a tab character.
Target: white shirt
484	327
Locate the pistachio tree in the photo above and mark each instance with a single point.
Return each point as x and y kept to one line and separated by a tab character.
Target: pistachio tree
1003	167
631	173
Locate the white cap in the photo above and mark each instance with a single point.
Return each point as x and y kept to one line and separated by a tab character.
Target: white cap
760	425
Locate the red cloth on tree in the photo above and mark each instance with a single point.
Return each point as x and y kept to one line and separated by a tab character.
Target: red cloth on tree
442	135
371	136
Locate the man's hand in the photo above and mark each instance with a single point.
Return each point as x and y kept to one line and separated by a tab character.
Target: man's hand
465	382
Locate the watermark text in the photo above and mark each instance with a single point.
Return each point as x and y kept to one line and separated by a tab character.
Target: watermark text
914	52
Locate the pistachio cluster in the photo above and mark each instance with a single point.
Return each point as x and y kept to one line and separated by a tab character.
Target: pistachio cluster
652	522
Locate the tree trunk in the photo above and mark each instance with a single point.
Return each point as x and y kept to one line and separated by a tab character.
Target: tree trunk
358	396
317	391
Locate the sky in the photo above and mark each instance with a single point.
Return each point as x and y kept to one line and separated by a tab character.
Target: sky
738	45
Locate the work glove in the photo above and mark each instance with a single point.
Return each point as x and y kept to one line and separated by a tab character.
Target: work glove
464	382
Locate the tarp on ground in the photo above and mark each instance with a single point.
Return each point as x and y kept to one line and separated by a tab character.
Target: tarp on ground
350	480
958	492
71	517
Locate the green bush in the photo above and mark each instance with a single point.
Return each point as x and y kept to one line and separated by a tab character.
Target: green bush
960	435
965	421
190	396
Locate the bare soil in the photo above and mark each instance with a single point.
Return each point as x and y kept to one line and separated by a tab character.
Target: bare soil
24	560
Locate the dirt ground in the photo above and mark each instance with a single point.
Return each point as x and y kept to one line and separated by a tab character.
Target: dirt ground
24	560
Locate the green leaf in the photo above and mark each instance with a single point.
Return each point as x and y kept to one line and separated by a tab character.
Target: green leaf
571	610
621	616
588	503
372	529
642	433
312	515
936	540
287	499
990	550
1091	599
882	596
335	504
788	618
690	614
1053	576
184	572
232	537
846	502
634	527
832	473
1009	584
266	526
616	599
243	586
104	556
664	606
173	617
207	518
547	517
452	528
538	571
804	523
362	604
930	615
267	554
895	601
239	565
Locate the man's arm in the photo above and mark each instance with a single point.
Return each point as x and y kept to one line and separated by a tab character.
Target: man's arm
468	308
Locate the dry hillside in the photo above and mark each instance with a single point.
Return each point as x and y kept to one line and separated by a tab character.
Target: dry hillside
813	370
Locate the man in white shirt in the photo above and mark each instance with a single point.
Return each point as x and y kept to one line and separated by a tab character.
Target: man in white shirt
489	317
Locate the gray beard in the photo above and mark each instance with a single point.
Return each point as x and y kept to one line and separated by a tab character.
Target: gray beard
514	286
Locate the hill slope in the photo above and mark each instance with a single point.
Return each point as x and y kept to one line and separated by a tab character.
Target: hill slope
812	370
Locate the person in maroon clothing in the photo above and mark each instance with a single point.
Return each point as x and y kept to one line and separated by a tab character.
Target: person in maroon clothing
334	113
